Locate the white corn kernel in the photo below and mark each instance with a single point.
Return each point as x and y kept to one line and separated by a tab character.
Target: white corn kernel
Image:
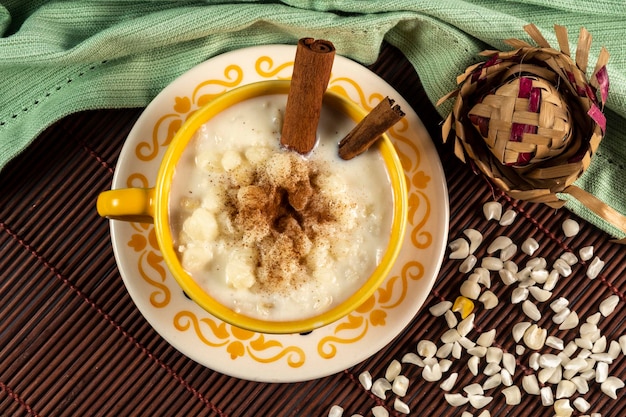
365	378
459	249
445	365
594	268
380	411
511	266
518	295
583	343
380	388
562	267
599	345
519	329
512	394
611	385
467	343
470	289
492	382
479	401
602	372
479	351
581	384
401	407
531	310
492	263
565	389
426	348
456	400
432	373
559	304
499	243
582	405
547	398
457	350
607	306
552	280
335	411
393	370
535	337
507	378
475	238
411	358
569	257
549	360
400	385
562	408
486	339
449	382
451	319
530	384
586	253
554	342
570	227
539	276
492	210
467	264
449	336
444	350
474	389
560	317
489	300
466	325
472	365
529	246
507	253
492	369
570	322
494	355
507	218
440	308
614	349
508	362
507	276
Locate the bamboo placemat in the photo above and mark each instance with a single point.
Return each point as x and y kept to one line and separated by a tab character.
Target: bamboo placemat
72	343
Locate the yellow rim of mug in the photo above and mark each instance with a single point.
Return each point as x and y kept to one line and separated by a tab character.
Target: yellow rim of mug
210	304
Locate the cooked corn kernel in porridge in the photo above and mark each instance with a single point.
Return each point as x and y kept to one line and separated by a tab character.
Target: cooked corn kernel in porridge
268	232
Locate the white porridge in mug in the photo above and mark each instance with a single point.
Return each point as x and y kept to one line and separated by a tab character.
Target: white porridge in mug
268	232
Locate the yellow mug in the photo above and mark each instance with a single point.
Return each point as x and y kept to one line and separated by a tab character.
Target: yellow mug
151	205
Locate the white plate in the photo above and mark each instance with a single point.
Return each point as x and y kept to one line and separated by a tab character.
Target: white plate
265	357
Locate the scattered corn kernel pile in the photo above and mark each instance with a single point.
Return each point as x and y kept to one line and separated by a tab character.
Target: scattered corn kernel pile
558	371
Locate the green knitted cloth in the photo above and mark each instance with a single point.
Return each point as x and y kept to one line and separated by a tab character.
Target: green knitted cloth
59	57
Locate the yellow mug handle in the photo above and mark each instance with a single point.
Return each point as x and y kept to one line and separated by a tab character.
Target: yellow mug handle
127	204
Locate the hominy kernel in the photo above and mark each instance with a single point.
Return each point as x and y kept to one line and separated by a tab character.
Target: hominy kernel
570	228
492	210
365	378
508	217
475	238
529	246
401	407
594	268
512	394
380	411
335	411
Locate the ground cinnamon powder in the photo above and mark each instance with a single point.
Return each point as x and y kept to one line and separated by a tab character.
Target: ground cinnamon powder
283	214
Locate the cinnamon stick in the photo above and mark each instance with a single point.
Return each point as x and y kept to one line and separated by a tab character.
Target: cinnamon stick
311	73
368	130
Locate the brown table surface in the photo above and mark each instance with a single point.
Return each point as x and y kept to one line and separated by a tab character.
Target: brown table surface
73	343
